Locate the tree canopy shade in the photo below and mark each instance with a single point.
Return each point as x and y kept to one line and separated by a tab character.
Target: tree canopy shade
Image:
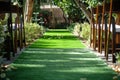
74	9
70	9
83	5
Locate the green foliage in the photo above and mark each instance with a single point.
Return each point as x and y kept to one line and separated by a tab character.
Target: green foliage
33	31
71	27
3	75
2	70
85	33
1	33
92	3
82	29
118	57
70	9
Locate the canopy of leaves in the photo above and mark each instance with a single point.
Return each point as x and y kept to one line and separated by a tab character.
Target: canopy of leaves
93	3
70	9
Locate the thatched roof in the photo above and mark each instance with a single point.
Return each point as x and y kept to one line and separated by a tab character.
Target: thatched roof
57	13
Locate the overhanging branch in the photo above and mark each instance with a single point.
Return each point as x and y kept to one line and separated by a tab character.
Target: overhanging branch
83	9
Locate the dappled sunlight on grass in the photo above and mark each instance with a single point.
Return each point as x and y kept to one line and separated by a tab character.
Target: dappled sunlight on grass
58	39
60	64
57	56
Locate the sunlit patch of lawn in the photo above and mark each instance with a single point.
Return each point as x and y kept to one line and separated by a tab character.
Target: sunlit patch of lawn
58	39
59	55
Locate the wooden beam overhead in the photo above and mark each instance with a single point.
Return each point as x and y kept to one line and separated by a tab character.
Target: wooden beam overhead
6	7
5	0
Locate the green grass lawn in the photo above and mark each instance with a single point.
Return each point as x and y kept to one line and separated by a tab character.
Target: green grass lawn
58	55
58	39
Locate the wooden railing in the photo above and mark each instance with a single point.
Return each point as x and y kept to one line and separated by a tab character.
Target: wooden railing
16	32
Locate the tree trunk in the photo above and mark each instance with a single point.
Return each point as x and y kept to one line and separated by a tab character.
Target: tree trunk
28	10
83	9
66	20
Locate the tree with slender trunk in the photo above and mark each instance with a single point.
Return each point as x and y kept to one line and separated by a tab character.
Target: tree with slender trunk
28	10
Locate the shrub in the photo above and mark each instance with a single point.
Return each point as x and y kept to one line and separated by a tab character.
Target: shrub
81	30
71	27
33	31
2	68
85	33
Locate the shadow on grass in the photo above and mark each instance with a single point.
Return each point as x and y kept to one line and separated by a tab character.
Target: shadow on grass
58	39
60	64
59	56
69	37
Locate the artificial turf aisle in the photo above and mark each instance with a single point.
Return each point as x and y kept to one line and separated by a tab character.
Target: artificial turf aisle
58	55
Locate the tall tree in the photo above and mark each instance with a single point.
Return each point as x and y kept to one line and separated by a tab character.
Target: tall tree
83	5
70	9
28	10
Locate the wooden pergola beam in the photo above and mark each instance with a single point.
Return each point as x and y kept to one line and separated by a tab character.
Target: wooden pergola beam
6	7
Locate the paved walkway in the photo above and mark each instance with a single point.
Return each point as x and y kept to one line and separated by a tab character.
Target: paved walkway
58	55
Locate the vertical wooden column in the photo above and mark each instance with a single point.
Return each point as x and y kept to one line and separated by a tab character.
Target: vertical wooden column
11	30
24	40
101	35
108	33
96	26
9	48
15	35
91	29
15	31
98	29
19	32
7	42
23	28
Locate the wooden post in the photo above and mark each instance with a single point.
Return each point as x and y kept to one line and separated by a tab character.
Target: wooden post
108	33
95	34
15	35
21	30
98	30
101	35
11	30
22	21
91	31
24	40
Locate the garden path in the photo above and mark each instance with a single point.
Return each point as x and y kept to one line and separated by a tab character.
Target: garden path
59	55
